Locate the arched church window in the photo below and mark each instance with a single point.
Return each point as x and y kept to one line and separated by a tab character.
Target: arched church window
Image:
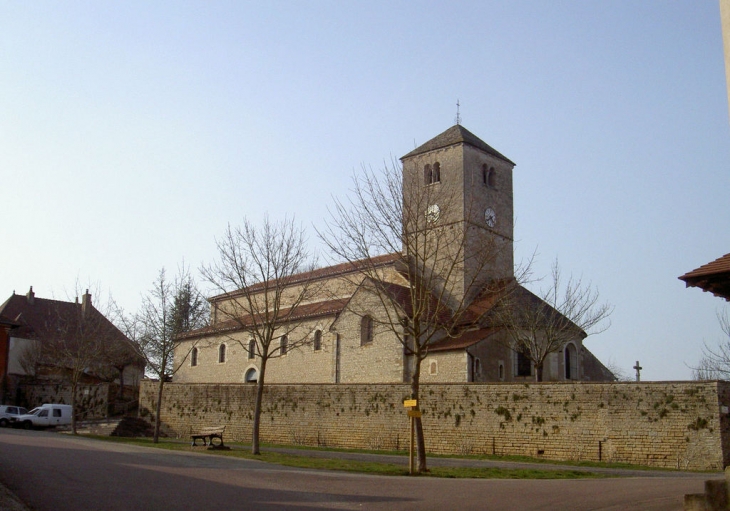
523	364
571	362
251	376
222	354
194	357
283	344
366	330
251	349
501	371
433	368
317	340
436	173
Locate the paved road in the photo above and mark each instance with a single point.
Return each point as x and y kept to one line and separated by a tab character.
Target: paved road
56	472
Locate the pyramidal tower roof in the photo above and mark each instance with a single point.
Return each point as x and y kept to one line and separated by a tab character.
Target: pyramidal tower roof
456	134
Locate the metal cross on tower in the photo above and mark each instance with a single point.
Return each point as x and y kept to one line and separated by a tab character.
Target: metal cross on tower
638	371
458	114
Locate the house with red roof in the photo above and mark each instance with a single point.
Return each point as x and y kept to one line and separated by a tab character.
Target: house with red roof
39	338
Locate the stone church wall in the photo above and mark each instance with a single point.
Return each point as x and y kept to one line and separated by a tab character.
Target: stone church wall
664	424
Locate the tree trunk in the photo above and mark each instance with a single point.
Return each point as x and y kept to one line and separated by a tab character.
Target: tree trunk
158	409
257	409
420	441
74	386
538	372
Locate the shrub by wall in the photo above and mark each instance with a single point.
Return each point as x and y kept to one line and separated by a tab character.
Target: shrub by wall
664	424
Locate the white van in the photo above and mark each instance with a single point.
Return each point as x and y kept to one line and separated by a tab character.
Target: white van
45	416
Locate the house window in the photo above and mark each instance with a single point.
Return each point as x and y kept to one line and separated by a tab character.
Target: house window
283	344
317	340
222	354
366	330
523	364
194	357
251	349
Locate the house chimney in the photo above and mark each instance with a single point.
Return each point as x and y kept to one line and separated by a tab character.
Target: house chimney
85	302
30	296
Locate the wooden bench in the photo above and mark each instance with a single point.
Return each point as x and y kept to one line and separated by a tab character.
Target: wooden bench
207	435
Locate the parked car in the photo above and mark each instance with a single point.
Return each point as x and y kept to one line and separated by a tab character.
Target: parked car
9	413
45	416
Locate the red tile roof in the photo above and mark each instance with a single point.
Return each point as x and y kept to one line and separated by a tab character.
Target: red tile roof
307	311
320	273
42	319
465	340
713	277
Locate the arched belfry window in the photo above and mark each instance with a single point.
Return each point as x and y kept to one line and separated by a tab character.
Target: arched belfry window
366	330
317	340
489	177
194	357
432	173
222	354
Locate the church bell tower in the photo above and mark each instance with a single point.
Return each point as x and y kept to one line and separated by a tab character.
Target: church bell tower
457	196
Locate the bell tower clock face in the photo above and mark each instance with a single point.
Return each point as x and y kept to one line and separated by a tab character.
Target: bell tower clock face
490	217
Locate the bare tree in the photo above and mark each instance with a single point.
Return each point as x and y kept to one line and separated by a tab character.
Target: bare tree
259	273
443	281
563	311
169	309
715	361
617	371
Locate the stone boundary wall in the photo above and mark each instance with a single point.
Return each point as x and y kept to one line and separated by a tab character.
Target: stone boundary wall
663	424
92	400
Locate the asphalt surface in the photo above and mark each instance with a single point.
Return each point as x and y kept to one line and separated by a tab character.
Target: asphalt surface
48	471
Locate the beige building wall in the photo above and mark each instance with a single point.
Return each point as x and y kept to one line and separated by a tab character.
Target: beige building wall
445	367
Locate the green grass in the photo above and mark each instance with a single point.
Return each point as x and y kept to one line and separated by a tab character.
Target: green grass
365	467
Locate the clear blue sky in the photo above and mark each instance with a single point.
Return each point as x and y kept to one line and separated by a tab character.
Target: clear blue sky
131	133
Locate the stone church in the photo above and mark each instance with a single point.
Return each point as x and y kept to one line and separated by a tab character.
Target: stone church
346	346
